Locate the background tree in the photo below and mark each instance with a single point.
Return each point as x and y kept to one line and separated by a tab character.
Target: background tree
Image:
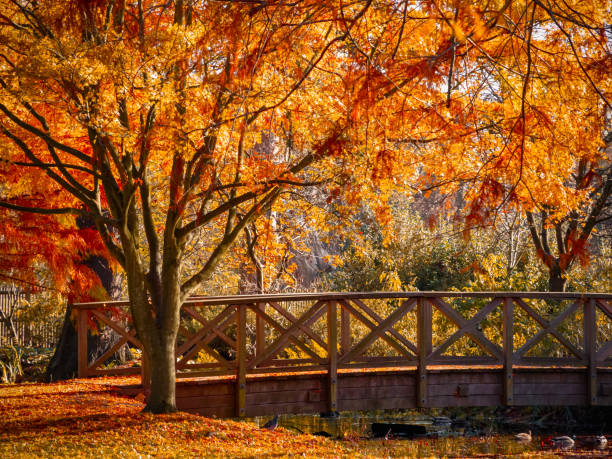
562	239
56	259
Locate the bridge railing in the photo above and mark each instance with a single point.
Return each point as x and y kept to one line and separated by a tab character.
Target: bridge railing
332	332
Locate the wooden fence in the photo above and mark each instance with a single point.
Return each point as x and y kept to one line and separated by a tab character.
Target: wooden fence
14	331
337	333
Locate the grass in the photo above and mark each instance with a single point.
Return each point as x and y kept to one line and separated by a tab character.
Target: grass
86	418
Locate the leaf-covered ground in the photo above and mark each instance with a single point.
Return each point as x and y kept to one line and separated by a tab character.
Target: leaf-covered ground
86	418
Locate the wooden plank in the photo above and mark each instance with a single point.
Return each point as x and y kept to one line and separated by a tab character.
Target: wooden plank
324	296
464	377
424	344
448	401
605	307
82	343
286	408
145	371
401	361
295	363
302	368
551	389
114	371
508	349
298	385
468	327
376	392
205	373
287	396
590	349
376	404
559	376
437	390
309	317
604	351
382	364
260	329
186	403
189	389
463	360
200	366
392	380
241	356
210	373
332	353
548	361
549	400
345	329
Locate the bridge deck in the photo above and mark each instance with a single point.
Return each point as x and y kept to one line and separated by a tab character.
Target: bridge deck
257	355
268	394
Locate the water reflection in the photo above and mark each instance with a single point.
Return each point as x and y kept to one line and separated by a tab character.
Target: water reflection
443	435
360	423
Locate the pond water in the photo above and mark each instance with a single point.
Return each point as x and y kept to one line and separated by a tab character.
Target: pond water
360	423
446	433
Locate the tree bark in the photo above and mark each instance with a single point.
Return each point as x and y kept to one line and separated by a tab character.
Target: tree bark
64	363
556	281
162	398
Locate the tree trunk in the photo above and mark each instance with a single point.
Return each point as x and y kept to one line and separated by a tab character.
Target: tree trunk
156	319
64	363
162	398
556	281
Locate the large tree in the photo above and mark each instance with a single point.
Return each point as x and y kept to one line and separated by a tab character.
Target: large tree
148	116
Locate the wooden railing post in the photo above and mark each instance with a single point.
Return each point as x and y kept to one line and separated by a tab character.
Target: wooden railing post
590	348
145	373
424	338
508	350
82	342
345	330
241	360
332	352
260	331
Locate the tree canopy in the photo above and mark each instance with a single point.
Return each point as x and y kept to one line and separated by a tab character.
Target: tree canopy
175	125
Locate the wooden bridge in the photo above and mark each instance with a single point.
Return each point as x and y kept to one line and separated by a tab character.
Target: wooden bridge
322	352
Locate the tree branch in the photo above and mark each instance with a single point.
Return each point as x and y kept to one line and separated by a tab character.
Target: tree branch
191	284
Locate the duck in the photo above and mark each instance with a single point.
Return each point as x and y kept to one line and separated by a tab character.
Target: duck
598	441
601	442
523	437
563	442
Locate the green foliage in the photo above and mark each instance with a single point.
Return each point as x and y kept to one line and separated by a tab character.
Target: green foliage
597	275
407	256
10	364
492	273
